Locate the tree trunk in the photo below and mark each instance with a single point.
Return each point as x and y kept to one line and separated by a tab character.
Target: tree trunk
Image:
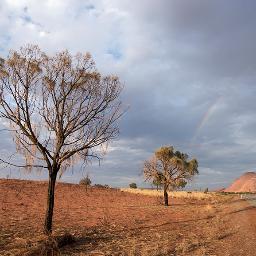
50	203
166	203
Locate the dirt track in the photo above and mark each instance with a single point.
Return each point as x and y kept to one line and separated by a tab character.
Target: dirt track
243	219
110	222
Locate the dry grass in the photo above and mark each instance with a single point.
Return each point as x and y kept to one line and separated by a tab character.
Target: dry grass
175	194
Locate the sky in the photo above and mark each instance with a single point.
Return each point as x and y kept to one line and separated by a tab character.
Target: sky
189	75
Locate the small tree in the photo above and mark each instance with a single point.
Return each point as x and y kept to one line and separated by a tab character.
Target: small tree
60	110
86	182
133	185
170	168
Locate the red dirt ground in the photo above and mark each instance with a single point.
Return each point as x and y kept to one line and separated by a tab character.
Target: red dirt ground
111	222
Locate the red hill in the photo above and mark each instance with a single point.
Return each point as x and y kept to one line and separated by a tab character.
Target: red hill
245	183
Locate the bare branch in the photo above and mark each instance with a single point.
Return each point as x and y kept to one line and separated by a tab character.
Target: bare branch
22	166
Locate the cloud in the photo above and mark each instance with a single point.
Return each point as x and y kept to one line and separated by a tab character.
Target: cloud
188	69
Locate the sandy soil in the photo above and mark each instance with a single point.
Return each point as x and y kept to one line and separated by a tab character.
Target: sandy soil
111	222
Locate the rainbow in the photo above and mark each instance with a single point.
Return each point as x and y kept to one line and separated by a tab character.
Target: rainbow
207	115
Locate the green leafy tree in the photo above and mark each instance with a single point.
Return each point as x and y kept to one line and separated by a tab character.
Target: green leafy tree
171	169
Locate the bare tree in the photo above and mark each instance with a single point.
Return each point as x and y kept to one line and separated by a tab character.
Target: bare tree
171	169
60	110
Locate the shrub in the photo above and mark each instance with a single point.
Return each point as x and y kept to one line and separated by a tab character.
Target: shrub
133	185
101	186
85	181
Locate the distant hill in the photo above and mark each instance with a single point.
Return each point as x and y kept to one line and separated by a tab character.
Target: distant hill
245	183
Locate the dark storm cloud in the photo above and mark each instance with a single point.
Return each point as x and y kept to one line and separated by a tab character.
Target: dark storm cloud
210	49
216	37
